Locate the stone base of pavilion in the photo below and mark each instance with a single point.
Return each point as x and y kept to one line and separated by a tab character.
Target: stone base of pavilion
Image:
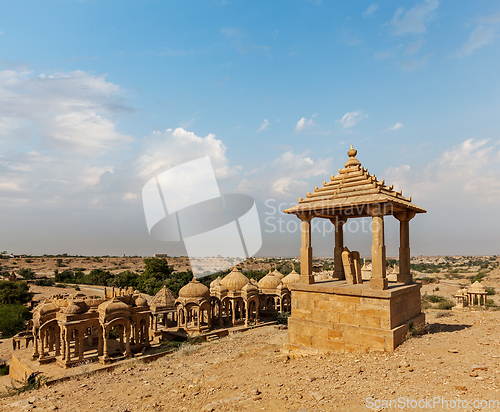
332	316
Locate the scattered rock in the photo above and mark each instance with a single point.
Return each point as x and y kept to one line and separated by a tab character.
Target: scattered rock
255	391
317	396
452	350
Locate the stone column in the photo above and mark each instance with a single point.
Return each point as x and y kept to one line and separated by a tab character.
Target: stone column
306	275
247	314
63	344
67	343
339	247
81	342
35	344
99	341
105	347
378	280
128	353
404	275
42	345
58	344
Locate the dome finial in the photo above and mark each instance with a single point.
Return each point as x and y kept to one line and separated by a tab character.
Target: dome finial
352	159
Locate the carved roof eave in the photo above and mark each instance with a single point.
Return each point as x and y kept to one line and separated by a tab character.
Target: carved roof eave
360	208
352	193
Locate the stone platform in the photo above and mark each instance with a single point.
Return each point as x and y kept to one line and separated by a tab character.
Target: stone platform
332	316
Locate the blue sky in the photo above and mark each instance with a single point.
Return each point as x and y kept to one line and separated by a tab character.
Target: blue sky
93	93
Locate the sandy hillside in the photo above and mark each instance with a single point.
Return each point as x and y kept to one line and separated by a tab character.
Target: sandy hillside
458	359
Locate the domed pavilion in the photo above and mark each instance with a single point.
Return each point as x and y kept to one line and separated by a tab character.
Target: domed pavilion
193	308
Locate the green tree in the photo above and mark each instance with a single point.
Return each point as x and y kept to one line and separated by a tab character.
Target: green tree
27	273
14	292
13	318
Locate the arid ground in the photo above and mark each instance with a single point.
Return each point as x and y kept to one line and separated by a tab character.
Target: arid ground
456	359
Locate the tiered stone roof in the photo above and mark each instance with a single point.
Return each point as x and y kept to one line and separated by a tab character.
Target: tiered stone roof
353	188
164	298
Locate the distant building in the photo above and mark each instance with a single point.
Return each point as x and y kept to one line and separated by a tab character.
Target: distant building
160	255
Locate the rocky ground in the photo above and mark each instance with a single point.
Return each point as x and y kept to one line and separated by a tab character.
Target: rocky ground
457	359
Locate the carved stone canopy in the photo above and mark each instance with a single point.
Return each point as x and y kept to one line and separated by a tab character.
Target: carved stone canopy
354	192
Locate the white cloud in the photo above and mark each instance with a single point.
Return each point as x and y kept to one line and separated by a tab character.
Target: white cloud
263	126
304	124
408	65
351	118
286	176
163	150
370	10
492	19
232	32
415	19
58	135
414	47
66	110
395	127
465	175
480	36
130	196
91	174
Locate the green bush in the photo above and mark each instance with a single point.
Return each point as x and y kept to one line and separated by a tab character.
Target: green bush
26	386
44	282
26	273
478	278
14	292
13	318
490	291
282	318
4	369
435	298
490	303
445	304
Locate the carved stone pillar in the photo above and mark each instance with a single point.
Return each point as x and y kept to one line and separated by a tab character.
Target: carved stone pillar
378	280
81	342
63	344
35	343
306	275
404	275
42	344
128	352
99	341
339	273
58	343
67	342
105	354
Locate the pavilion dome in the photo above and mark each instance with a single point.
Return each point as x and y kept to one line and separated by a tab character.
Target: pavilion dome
140	301
215	282
278	274
74	309
47	307
113	305
235	280
194	289
477	287
249	287
269	282
292	277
